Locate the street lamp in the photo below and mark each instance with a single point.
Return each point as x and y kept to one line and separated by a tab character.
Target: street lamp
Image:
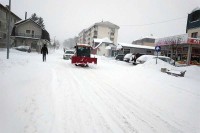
8	33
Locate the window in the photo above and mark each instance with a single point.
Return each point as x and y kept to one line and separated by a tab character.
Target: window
194	35
148	51
32	33
28	31
195	16
112	39
95	32
185	49
4	36
126	51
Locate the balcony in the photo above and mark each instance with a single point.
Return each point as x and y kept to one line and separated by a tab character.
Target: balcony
24	35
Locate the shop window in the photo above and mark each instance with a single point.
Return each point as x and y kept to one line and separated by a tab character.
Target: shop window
185	49
126	51
194	34
148	51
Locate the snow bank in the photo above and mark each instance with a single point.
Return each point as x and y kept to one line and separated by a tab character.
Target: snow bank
151	63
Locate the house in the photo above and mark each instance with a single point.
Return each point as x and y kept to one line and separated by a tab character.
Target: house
4	24
104	47
124	48
29	33
99	30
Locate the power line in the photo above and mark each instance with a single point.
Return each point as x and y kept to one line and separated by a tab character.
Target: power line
155	22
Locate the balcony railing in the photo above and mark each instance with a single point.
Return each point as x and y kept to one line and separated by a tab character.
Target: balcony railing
28	35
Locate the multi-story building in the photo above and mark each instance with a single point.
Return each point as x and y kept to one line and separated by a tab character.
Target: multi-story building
184	48
147	41
99	30
193	23
81	37
4	24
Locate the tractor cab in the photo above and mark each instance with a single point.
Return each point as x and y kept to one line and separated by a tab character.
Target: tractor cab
83	55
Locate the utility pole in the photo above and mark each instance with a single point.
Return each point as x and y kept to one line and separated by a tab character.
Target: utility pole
8	27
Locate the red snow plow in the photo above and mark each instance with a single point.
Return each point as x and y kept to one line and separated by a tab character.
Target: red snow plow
82	55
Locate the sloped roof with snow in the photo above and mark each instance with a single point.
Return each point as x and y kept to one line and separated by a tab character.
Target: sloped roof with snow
135	46
27	20
196	9
107	24
104	40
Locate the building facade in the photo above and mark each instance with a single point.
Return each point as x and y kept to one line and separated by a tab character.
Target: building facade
184	48
104	47
124	48
29	33
99	30
193	23
4	24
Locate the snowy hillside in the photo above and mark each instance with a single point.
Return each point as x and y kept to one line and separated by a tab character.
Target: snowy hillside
110	97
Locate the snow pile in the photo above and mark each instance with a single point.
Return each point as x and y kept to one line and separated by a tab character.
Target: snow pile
151	63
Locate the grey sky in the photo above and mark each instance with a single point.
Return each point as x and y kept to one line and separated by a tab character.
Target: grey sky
66	18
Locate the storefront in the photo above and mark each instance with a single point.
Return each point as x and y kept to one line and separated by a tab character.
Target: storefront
181	48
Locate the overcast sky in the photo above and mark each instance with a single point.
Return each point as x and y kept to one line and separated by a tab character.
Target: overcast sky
66	18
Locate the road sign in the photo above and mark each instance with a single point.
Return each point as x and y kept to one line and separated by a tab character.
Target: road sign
157	48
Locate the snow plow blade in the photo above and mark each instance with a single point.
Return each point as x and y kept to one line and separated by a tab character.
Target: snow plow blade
83	60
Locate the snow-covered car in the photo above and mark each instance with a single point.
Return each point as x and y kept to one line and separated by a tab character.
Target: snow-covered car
128	57
119	57
68	54
145	58
142	59
23	48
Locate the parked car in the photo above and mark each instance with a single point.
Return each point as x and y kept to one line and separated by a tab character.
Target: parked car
23	48
68	54
142	59
120	57
128	57
145	58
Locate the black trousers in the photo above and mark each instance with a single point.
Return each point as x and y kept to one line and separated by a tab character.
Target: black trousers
44	57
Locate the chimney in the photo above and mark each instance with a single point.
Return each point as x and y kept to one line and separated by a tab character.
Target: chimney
25	15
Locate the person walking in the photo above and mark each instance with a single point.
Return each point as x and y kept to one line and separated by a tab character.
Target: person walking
44	51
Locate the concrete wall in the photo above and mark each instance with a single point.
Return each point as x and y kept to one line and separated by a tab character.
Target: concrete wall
102	50
137	50
190	31
29	26
4	26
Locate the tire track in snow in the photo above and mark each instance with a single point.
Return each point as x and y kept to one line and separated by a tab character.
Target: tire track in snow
100	98
138	109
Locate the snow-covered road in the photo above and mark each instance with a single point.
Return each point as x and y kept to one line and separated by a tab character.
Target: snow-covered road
112	97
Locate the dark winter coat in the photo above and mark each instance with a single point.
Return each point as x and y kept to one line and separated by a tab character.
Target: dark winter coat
44	50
